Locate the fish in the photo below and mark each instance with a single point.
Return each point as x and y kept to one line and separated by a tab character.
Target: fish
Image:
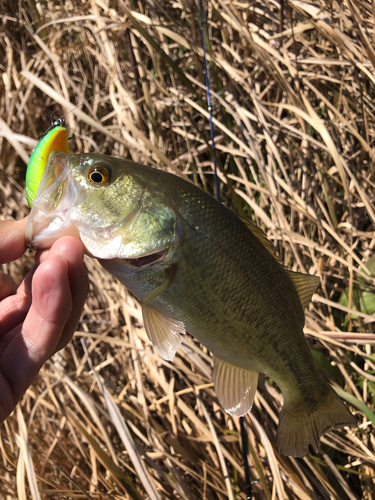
197	267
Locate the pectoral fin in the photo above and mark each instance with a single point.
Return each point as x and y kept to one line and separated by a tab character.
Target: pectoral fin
156	292
235	387
164	332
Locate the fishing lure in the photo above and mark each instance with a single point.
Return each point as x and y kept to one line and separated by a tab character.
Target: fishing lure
54	140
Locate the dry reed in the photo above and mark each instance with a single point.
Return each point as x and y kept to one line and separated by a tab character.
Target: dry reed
294	114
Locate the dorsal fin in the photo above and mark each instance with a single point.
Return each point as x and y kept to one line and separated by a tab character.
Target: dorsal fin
261	236
305	284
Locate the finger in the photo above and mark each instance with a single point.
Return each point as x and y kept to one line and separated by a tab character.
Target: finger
12	238
32	343
14	308
7	286
72	250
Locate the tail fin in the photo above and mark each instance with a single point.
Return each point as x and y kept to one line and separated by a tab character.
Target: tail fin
299	426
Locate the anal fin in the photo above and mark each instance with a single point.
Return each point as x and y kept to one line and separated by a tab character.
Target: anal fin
164	332
235	387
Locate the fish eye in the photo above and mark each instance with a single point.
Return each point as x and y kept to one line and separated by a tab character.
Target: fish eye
99	174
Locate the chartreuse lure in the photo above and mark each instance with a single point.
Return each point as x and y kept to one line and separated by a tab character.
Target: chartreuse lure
55	140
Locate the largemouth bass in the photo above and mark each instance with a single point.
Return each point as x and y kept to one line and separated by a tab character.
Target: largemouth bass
195	266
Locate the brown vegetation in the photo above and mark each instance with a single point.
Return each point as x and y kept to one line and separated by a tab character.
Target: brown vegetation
293	92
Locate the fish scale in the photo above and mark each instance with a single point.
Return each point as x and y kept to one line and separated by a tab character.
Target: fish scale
196	266
225	286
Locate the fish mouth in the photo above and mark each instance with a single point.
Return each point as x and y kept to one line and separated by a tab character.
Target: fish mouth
62	206
51	215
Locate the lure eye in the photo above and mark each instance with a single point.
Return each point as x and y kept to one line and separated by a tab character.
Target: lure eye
99	175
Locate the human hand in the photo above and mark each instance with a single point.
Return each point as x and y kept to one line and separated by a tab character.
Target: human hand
40	317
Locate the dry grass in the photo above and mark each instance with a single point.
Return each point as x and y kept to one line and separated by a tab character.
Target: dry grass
294	112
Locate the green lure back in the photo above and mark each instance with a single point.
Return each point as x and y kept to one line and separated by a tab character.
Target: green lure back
55	140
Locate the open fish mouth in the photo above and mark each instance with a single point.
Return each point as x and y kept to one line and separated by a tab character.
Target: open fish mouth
50	217
68	204
56	213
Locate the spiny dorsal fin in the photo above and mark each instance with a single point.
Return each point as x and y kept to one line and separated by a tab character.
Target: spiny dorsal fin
261	235
235	387
305	284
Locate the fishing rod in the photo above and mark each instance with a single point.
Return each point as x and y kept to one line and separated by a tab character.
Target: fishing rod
249	489
61	122
209	107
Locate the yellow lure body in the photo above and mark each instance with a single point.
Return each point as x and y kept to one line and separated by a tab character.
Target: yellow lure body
55	140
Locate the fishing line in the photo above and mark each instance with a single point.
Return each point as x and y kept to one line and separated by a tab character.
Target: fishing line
118	78
132	69
209	107
249	489
61	120
85	101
